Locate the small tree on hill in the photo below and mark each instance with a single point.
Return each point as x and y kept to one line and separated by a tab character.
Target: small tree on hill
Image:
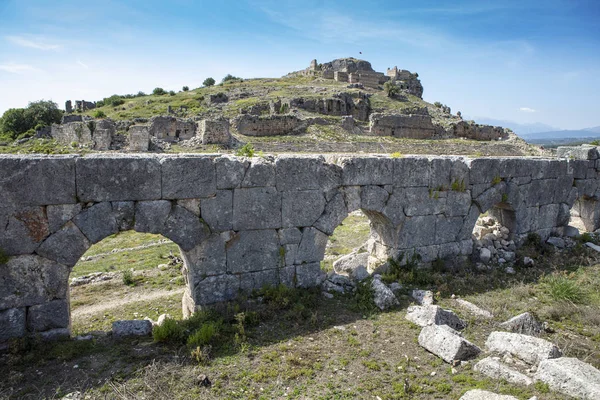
208	82
391	89
185	88
159	91
230	78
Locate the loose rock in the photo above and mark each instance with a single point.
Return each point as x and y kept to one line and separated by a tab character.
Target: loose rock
570	376
530	349
523	323
434	315
131	328
423	297
473	309
382	295
478	394
445	343
493	368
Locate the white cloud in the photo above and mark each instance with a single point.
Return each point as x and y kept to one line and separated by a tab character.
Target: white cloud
18	68
80	63
527	109
34	44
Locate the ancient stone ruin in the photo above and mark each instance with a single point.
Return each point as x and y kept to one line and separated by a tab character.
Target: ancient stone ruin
242	223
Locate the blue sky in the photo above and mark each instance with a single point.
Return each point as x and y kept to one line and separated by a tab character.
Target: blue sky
525	61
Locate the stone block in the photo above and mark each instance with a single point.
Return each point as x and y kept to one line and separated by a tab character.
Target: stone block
217	211
115	178
124	212
256	208
37	180
12	324
217	289
335	212
478	394
530	349
394	208
583	152
548	216
23	229
367	171
230	171
491	197
65	246
432	314
309	275
312	246
302	208
139	138
97	222
483	170
290	252
287	276
418	231
257	280
28	280
352	197
373	198
51	315
571	377
447	229
150	216
260	172
445	343
348	263
410	172
214	131
523	323
290	236
192	205
457	203
250	251
562	189
298	173
124	328
207	258
185	228
423	201
188	177
473	309
58	215
383	297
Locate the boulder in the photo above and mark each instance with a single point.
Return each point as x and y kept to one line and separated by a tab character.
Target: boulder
423	297
446	343
485	255
348	263
556	242
570	376
360	274
528	348
473	309
493	368
131	328
434	315
382	295
523	323
478	394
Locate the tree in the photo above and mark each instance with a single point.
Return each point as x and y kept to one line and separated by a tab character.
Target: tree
15	122
159	91
391	89
208	82
171	93
185	88
113	101
230	78
43	112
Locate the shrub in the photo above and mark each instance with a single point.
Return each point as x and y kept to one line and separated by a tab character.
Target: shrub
496	180
203	336
100	103
113	101
563	287
185	88
99	114
246	150
390	89
128	278
170	331
159	91
208	82
171	93
140	94
230	78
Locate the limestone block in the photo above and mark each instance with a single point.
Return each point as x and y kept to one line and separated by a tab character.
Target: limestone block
12	324
335	212
230	171
150	216
29	279
446	343
217	289
290	252
540	192
52	315
217	211
457	203
410	172
256	208
250	251
214	131
447	229
547	216
523	323
367	171
184	228
418	231
298	173
478	394
563	187
578	168
207	258
383	297
23	229
493	368
528	348
394	208
287	276
570	376
373	198
124	328
114	178
483	170
192	205
65	246
302	208
261	172
422	201
466	231
352	197
124	212
448	251
422	297
257	280
58	215
97	222
491	197
139	138
526	219
330	176
584	152
37	180
473	309
312	246
188	177
290	236
348	263
309	275
432	314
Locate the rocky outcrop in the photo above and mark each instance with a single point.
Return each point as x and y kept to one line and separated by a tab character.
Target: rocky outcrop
471	130
413	126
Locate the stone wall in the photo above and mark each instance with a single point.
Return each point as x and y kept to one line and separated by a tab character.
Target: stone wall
139	138
414	126
214	131
471	130
274	125
338	105
261	221
95	134
171	128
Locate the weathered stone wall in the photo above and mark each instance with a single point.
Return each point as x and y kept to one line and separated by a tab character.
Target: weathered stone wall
94	134
274	125
243	223
414	126
214	131
171	128
139	138
471	130
340	104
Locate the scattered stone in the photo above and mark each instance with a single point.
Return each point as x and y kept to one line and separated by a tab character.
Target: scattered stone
423	297
446	343
203	381
434	315
485	255
84	337
523	323
348	263
131	328
570	376
593	246
493	368
327	295
396	288
473	309
530	349
478	394
382	295
360	274
528	261
510	270
556	242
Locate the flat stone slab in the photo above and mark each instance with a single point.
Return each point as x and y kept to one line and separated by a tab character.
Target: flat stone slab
446	343
495	369
473	309
434	315
132	328
478	394
530	349
570	376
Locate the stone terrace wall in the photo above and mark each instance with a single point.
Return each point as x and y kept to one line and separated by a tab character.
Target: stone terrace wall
243	223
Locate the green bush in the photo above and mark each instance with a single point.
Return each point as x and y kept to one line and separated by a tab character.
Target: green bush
99	114
208	82
563	287
128	278
185	88
246	150
159	91
112	101
18	121
203	336
390	89
230	78
169	332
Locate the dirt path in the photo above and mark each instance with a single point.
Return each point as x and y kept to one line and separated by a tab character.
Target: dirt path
121	301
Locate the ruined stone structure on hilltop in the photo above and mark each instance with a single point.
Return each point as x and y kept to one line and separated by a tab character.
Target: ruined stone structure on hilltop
80	106
242	223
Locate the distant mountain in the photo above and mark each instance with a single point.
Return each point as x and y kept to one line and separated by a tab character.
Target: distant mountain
519	129
595	129
570	134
